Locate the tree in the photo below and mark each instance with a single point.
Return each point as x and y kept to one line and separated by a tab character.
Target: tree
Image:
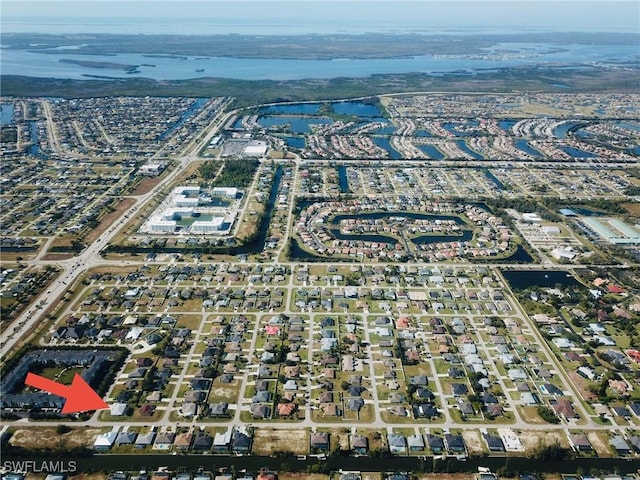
553	452
62	429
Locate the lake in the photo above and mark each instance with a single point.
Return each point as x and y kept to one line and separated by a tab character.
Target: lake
294	142
358	109
32	64
521	279
293	124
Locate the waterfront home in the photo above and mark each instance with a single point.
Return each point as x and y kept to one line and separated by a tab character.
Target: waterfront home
397	443
359	444
164	441
580	442
319	441
415	442
455	443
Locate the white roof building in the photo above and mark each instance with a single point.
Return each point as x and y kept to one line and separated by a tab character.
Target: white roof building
255	148
203	226
106	440
230	192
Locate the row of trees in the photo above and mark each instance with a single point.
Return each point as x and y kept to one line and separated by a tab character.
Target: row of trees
235	172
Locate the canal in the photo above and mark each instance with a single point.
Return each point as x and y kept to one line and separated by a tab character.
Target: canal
342	179
193	462
195	106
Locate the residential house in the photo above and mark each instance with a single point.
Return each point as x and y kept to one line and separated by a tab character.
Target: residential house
455	443
359	444
436	444
397	443
319	441
416	443
580	442
494	442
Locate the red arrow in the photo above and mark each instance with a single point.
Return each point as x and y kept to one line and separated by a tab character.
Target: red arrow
80	397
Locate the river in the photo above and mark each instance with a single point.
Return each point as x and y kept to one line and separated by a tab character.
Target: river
33	64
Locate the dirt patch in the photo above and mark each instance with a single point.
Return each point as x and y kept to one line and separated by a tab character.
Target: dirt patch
57	256
80	476
301	476
633	208
473	441
447	476
109	218
600	443
47	437
530	415
89	476
581	384
146	185
268	441
221	392
531	439
112	270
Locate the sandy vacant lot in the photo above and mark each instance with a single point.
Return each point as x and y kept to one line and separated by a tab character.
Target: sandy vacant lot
46	437
531	439
268	441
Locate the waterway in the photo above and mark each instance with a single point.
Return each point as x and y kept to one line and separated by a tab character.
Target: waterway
137	462
577	153
462	145
460	236
458	132
527	148
493	178
519	256
383	142
33	64
342	179
365	237
294	142
293	124
521	279
562	130
6	114
432	151
400	215
195	106
629	126
34	150
257	245
507	124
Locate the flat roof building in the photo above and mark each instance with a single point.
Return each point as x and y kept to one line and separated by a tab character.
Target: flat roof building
230	192
204	226
256	148
162	225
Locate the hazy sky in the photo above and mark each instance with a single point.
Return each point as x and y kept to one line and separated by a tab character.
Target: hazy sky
244	16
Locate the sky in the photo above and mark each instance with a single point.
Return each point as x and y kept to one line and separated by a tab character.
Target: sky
315	16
